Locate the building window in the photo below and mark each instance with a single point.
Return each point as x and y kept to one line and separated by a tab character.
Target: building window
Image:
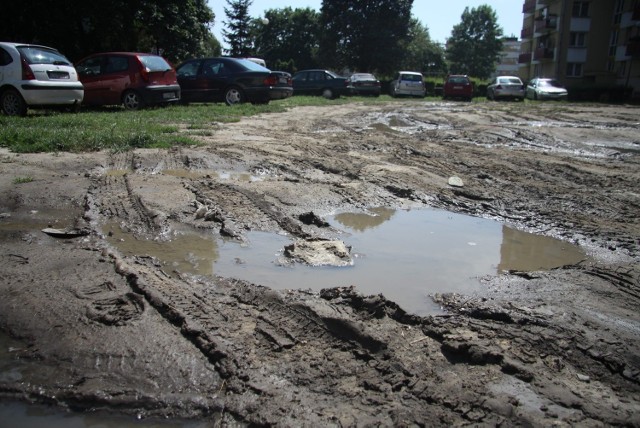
580	9
622	70
617	14
577	39
574	69
613	42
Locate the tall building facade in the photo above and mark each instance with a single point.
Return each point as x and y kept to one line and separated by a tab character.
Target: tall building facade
582	42
508	64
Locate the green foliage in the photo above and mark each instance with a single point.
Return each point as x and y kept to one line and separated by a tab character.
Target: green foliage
289	41
238	22
475	44
20	180
364	35
176	28
421	53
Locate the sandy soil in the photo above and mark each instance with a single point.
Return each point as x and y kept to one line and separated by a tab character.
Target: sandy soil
92	329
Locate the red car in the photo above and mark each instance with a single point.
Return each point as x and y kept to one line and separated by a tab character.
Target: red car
131	79
457	86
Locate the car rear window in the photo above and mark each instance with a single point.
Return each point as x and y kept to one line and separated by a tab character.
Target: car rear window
154	63
252	66
511	80
41	55
458	80
411	77
363	77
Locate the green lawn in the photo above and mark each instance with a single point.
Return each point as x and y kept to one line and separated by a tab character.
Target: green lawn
116	130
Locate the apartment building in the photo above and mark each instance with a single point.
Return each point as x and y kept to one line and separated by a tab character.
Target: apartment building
585	42
508	64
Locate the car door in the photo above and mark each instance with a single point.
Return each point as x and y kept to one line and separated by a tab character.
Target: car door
90	73
104	77
215	77
203	80
187	74
301	82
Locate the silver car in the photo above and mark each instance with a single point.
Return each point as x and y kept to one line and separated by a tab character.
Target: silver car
409	83
36	76
545	89
506	87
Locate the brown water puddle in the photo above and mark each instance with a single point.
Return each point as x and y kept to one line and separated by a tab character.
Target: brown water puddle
405	255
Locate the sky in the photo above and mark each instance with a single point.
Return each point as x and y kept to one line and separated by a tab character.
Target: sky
439	17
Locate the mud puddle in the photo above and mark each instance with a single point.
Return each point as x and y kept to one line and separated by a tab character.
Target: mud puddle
405	255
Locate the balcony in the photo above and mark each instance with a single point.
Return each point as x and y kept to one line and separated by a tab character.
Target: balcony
543	53
529	6
524	58
633	47
546	24
526	33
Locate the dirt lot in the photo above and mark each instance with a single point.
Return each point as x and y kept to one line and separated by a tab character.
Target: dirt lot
88	328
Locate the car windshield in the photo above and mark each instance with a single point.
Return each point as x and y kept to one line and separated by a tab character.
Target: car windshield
252	66
41	55
550	83
154	63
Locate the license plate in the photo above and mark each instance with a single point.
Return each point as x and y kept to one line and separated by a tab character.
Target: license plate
283	79
168	95
58	74
457	87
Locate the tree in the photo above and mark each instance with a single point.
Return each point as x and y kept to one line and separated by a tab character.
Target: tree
288	38
176	28
238	36
475	44
365	35
421	53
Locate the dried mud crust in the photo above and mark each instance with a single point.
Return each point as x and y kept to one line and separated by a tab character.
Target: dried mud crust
100	330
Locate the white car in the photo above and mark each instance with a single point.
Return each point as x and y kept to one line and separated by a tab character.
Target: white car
409	83
545	89
36	76
505	87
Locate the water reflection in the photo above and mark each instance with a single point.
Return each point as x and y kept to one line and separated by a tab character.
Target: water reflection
362	221
188	252
528	252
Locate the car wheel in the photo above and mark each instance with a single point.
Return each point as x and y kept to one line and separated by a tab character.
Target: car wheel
535	95
233	96
131	100
12	103
327	93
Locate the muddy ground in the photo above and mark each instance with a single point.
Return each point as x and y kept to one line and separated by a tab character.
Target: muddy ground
88	329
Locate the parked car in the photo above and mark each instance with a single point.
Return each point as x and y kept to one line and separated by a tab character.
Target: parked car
545	89
231	80
506	87
320	82
132	79
364	84
457	86
34	76
408	83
